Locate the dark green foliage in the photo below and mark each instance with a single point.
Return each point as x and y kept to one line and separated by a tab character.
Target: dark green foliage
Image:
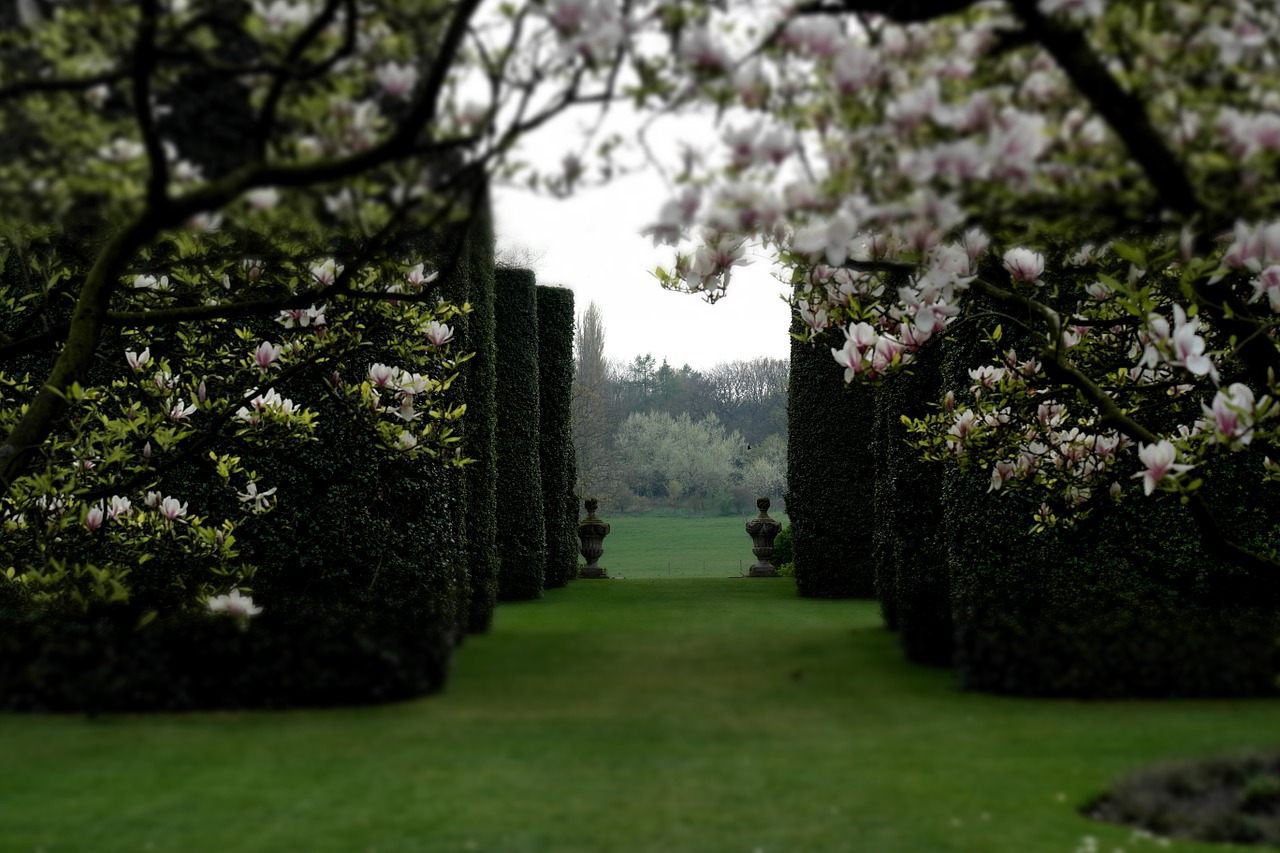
480	426
782	551
305	656
909	499
360	573
522	543
883	512
555	398
830	475
1123	605
1227	800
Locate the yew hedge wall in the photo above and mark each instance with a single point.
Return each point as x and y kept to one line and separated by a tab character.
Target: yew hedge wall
478	334
556	456
830	474
912	570
1125	604
522	538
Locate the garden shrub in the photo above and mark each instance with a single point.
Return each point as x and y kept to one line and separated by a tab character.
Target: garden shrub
522	542
1125	604
555	399
360	571
782	550
830	475
1225	800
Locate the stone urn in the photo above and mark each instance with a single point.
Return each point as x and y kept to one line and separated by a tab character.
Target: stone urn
763	530
591	533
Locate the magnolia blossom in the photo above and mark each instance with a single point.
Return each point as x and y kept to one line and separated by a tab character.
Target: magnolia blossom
590	28
118	506
261	500
1188	347
964	425
93	518
1161	461
674	217
1001	473
406	442
180	411
172	509
1077	11
121	150
150	282
270	401
1267	284
240	607
1253	248
1024	264
266	355
416	277
1180	346
302	317
1232	415
396	79
831	238
262	198
326	272
712	262
699	50
817	320
382	375
136	360
437	333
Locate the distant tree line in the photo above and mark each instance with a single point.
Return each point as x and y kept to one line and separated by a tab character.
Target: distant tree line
650	434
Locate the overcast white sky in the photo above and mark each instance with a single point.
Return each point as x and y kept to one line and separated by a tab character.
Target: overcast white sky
591	243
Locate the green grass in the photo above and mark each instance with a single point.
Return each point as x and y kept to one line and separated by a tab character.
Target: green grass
658	546
625	715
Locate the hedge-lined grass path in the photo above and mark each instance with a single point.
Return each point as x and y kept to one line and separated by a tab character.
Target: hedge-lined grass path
621	715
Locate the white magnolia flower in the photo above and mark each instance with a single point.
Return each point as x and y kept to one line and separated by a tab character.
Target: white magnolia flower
260	499
240	607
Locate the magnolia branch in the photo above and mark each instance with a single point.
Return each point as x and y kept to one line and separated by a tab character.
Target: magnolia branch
1057	365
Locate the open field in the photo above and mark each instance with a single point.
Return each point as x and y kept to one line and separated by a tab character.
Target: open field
653	546
624	715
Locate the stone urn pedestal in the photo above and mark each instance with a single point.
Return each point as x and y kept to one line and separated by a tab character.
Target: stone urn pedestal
763	530
591	533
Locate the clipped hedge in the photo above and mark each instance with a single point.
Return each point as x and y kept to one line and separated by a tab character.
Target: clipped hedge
477	334
292	656
1123	605
522	540
909	499
830	474
883	512
555	399
361	575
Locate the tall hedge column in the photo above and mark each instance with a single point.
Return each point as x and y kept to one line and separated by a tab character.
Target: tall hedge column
555	398
481	421
830	475
910	493
522	540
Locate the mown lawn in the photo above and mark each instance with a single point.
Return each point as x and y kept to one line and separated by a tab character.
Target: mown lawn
657	546
622	715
